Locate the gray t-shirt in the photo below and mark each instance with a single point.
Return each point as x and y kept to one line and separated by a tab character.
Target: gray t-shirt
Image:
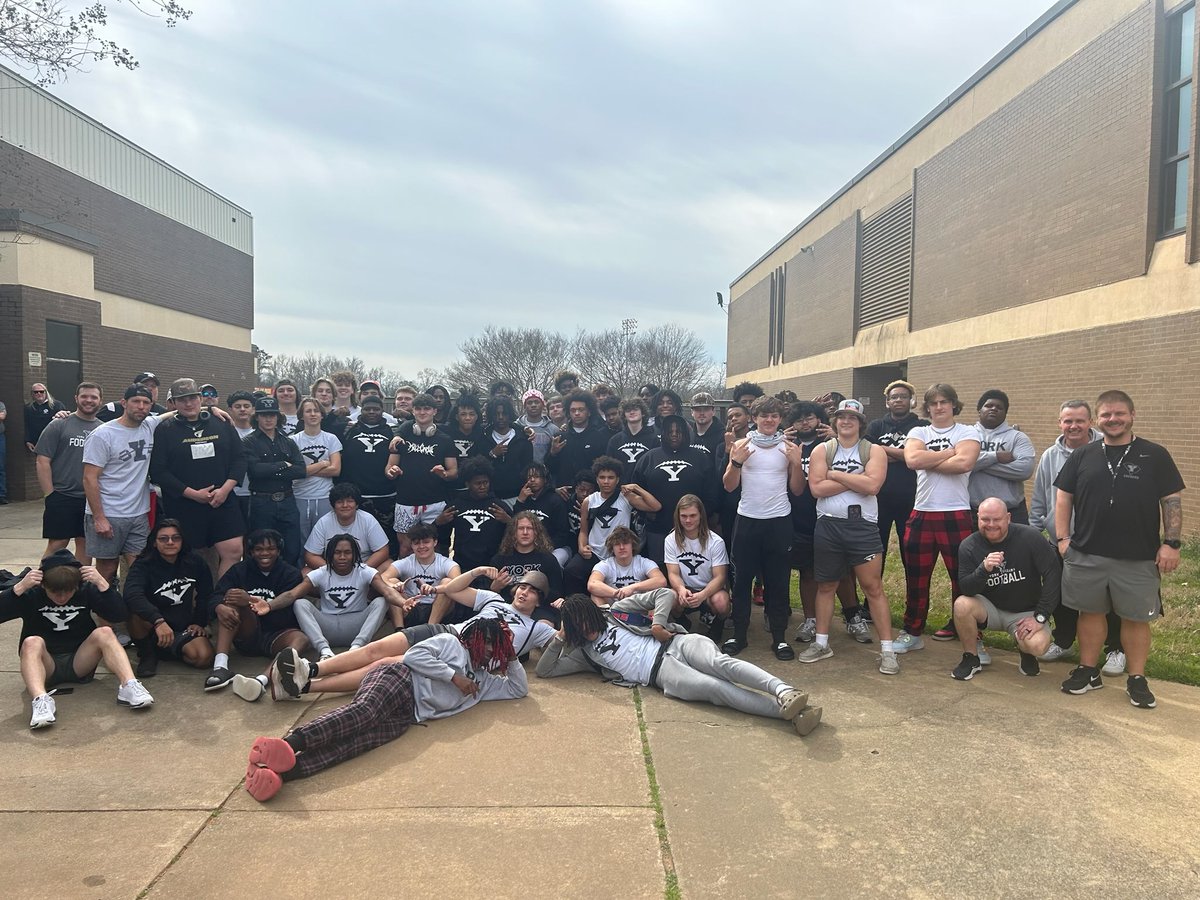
123	454
62	443
365	529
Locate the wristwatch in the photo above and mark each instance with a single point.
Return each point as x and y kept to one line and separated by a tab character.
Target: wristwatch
1174	545
1040	618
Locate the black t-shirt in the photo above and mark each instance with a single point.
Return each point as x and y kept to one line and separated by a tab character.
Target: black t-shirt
365	456
417	485
551	510
517	564
668	475
887	432
804	506
247	576
477	531
1116	492
628	448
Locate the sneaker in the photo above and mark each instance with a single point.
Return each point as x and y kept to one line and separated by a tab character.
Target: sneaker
809	718
784	651
249	689
815	653
707	617
946	633
147	666
218	679
1053	652
858	629
327	653
757	594
1138	691
733	647
985	658
968	668
888	664
289	674
1029	665
1114	663
133	695
43	712
807	632
1082	679
792	703
903	642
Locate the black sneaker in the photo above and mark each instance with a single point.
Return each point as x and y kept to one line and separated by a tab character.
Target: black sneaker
218	679
783	650
1029	665
968	668
1082	679
733	647
1139	692
147	666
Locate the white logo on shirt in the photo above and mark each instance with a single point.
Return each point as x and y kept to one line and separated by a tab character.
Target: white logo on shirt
673	470
476	519
176	589
60	616
370	441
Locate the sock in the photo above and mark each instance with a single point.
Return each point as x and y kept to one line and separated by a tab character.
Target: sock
262	679
296	741
314	669
781	690
221	661
822	640
885	646
129	682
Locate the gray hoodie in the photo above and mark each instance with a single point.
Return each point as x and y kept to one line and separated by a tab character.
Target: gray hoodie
996	479
437	660
1045	495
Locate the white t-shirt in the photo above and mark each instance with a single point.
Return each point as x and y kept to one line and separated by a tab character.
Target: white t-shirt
315	448
600	526
343	594
764	484
937	492
290	424
365	529
696	563
619	576
410	571
526	633
632	655
846	459
123	455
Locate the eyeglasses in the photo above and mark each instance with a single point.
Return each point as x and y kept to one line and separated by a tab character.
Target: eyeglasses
170	538
36	391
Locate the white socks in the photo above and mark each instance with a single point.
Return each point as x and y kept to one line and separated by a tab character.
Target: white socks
221	661
822	640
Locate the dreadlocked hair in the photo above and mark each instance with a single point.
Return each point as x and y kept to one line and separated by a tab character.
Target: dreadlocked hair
580	618
479	634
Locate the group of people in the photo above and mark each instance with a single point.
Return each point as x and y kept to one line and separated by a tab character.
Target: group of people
612	535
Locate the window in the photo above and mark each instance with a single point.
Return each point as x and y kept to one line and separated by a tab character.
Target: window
64	368
1177	133
775	317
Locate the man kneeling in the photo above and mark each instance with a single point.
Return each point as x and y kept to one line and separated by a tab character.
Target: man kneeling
1010	577
442	676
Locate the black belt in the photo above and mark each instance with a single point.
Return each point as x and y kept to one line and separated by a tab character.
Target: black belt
277	496
658	661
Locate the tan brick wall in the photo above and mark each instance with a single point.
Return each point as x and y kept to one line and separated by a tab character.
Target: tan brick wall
1151	360
814	385
820	294
1047	196
749	319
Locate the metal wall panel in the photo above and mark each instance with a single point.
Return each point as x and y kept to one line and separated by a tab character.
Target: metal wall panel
885	264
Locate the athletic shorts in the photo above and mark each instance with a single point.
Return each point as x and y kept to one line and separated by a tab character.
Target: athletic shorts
1101	584
129	536
203	526
62	518
64	671
802	552
175	651
408	516
1002	620
841	544
418	633
260	643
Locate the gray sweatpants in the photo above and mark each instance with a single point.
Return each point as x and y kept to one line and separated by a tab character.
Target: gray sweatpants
342	630
694	669
310	511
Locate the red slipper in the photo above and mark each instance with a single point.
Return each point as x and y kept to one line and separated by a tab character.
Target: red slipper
272	753
262	784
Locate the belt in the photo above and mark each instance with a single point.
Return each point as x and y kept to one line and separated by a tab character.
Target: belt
277	496
658	661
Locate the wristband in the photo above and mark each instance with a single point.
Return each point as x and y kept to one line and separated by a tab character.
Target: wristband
736	464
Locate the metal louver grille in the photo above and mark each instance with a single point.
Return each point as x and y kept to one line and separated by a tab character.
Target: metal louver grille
885	264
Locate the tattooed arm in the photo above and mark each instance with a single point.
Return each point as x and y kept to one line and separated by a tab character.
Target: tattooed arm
1172	520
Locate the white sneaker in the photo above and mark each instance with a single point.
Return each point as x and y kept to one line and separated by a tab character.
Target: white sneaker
133	695
808	632
1052	653
985	658
903	642
249	689
1114	663
888	664
327	653
43	711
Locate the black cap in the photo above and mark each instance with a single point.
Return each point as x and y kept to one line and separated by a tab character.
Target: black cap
137	390
266	405
146	376
59	558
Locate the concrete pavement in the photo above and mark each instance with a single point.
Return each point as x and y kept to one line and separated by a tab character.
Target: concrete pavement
914	786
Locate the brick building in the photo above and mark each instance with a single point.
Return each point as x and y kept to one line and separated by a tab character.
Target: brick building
111	262
1039	231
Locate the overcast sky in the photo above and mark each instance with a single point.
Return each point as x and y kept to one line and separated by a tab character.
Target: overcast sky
419	170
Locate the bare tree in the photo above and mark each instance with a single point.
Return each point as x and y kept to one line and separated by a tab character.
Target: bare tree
528	357
51	38
670	356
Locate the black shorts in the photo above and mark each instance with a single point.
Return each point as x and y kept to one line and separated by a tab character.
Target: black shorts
62	519
802	552
842	544
175	651
418	633
260	643
64	671
204	526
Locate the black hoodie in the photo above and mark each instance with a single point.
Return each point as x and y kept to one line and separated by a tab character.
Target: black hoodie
155	589
64	627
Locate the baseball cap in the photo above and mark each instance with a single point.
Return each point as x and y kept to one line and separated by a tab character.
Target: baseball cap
145	376
183	387
851	406
266	405
369	383
209	390
138	390
702	400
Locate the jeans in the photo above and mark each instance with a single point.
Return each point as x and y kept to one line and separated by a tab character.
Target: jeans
282	516
3	475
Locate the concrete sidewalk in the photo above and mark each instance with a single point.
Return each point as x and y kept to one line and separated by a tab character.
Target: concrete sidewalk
915	786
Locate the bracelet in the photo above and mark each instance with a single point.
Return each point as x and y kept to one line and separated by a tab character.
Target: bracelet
736	464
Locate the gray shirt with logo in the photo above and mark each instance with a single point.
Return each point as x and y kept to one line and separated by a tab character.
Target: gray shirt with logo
62	443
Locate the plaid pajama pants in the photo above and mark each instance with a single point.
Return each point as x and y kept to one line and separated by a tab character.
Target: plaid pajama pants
927	535
381	711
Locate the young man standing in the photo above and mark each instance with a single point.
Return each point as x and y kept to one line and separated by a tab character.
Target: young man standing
535	420
581	442
635	438
241	413
1113	557
422	460
900	487
365	462
274	464
60	472
705	430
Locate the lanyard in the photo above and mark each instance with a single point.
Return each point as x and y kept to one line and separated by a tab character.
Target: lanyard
1115	470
